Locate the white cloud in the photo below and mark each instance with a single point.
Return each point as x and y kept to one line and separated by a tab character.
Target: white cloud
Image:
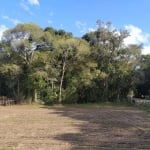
2	29
137	36
82	26
91	29
61	25
13	20
146	50
26	8
51	14
50	21
34	2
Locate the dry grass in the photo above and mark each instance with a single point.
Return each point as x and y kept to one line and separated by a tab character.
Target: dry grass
64	128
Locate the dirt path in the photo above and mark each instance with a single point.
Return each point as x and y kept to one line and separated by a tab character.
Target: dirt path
63	128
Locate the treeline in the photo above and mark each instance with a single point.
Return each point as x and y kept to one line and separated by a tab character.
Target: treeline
53	66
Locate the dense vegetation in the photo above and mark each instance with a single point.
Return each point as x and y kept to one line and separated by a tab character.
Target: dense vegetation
53	66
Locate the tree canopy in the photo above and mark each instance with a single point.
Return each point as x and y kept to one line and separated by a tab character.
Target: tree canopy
53	66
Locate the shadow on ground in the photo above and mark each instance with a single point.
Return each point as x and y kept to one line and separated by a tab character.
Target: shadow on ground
106	128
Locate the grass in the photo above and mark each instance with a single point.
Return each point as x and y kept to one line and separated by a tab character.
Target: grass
143	107
110	104
70	127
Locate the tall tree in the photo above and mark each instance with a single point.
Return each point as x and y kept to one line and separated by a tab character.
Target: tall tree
68	52
142	88
115	60
21	44
11	74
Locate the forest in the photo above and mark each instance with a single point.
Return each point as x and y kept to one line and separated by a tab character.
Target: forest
53	66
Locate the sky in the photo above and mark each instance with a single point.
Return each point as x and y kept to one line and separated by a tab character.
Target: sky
80	16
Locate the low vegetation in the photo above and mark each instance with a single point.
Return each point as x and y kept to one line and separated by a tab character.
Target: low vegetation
74	127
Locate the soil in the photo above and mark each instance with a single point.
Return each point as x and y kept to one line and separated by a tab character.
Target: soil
73	128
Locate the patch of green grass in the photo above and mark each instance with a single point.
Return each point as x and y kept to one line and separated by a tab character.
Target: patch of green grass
122	104
99	105
145	107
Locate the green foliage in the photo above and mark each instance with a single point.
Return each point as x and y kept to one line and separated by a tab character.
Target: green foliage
54	66
116	63
49	96
142	88
36	80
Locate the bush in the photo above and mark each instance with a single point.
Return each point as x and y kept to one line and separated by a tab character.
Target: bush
49	96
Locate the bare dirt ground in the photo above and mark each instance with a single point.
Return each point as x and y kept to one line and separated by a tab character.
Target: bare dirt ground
64	128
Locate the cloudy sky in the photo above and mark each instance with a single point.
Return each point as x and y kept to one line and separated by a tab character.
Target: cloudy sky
80	16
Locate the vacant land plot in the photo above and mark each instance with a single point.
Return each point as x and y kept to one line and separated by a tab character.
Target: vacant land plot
64	128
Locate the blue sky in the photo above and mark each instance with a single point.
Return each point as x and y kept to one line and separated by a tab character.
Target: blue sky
80	16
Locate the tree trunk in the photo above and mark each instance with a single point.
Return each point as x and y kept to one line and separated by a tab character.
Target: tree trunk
18	88
118	95
35	95
61	81
106	92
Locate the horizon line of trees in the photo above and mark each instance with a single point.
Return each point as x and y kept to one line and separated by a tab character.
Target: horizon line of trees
53	66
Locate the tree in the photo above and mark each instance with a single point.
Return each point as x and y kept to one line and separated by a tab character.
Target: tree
21	44
11	73
115	61
142	88
67	53
56	66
